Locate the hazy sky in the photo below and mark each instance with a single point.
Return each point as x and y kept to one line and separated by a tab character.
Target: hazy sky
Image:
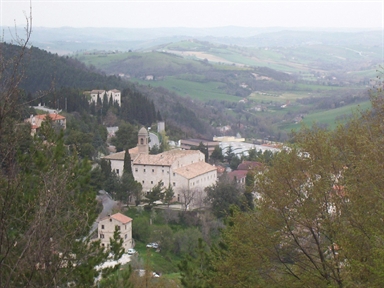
158	13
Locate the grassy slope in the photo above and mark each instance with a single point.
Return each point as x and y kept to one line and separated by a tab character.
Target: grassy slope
331	118
295	59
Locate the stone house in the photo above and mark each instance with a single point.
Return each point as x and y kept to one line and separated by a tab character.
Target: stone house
106	228
37	120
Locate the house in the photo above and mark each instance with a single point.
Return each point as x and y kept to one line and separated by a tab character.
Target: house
114	94
36	121
239	176
107	226
243	168
249	165
183	170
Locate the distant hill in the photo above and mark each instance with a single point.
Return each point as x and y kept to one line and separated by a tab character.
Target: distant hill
66	78
66	40
44	70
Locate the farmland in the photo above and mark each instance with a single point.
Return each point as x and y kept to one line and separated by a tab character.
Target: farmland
315	82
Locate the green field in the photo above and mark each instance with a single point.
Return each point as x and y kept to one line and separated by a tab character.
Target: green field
195	90
330	118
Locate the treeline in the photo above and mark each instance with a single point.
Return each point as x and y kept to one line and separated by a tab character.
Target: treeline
136	108
45	71
189	115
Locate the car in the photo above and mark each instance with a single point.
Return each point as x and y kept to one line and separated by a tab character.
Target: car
131	251
153	245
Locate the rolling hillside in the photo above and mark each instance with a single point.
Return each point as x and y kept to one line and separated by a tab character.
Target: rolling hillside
305	78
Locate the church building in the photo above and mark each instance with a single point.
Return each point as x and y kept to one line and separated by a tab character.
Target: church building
184	170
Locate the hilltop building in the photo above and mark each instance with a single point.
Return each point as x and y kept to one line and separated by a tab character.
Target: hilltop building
114	94
37	120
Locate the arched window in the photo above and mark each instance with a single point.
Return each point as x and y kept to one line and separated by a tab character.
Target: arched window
141	141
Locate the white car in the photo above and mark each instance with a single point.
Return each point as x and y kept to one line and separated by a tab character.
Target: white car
153	245
131	251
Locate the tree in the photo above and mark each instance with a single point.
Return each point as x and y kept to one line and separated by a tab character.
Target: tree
194	269
168	195
164	145
154	195
127	162
203	149
125	137
319	213
217	154
47	206
222	195
188	196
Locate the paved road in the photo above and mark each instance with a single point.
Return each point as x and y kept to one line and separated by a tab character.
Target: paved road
154	140
108	204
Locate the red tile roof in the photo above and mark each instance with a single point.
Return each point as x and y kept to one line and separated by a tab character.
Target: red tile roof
249	165
53	116
121	218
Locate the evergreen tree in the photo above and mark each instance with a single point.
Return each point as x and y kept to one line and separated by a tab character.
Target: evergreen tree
127	162
155	194
168	195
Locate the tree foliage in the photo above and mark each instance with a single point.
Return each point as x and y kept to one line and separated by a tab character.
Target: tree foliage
317	222
47	206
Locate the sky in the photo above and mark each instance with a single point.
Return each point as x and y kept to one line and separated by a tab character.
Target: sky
194	13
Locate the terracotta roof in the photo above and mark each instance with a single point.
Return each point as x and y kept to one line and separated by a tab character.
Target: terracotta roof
249	165
121	218
53	116
195	169
97	91
120	155
239	174
163	159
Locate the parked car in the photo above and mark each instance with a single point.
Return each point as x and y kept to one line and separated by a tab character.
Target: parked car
131	251
153	245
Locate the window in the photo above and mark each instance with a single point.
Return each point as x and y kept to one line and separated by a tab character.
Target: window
144	170
102	226
110	220
151	182
153	170
142	181
136	169
117	171
174	184
174	174
117	227
126	236
101	236
162	171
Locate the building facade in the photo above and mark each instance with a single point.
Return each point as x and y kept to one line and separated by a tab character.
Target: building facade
114	94
107	226
184	170
36	121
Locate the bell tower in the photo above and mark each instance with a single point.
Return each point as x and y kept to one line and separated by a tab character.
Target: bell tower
142	141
